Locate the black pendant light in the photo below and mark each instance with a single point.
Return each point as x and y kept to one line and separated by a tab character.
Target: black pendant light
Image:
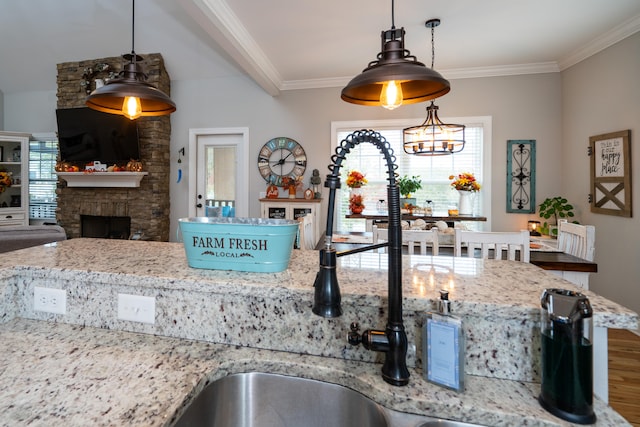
396	77
129	94
433	137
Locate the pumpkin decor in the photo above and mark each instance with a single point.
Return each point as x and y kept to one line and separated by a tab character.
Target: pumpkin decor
134	166
62	166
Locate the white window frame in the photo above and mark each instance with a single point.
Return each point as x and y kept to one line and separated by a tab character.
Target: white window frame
484	121
47	206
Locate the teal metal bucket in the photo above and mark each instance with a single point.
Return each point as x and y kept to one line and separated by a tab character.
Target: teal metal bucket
241	244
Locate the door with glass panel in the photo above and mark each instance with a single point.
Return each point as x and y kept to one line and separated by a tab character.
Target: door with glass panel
220	174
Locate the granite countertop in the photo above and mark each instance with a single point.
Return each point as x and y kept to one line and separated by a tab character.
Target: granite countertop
502	288
89	367
59	374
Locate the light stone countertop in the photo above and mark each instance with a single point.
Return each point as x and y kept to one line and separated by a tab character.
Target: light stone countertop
84	366
476	287
56	374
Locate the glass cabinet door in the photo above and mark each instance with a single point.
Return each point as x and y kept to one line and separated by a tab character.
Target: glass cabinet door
14	179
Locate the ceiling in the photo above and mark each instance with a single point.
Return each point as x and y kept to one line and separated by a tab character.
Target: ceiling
292	44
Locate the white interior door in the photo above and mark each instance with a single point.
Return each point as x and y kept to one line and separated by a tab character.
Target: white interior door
218	169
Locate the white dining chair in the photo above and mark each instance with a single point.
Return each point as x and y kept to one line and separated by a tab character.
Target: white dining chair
577	240
493	242
411	238
306	238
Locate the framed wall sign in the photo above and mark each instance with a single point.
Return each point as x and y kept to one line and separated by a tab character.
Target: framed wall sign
611	173
521	176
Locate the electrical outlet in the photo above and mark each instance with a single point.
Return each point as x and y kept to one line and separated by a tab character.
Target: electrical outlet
137	308
50	300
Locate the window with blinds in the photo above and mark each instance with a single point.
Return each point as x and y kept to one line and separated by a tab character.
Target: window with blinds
42	178
434	171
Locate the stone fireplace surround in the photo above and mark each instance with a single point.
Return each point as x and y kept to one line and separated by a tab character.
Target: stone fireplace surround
148	205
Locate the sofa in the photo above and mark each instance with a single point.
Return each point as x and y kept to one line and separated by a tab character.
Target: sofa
24	236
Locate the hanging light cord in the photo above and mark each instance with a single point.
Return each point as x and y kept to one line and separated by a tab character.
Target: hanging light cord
133	28
433	49
393	16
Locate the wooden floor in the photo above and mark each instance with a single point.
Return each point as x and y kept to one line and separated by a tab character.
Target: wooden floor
624	374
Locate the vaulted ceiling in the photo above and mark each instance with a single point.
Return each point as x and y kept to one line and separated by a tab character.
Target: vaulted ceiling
288	44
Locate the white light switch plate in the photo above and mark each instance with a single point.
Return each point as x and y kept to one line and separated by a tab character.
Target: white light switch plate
49	300
137	308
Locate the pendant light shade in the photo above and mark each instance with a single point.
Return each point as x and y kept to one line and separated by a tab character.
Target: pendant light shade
129	94
416	82
433	137
396	77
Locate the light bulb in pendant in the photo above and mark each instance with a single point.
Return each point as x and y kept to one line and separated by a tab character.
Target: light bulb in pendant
131	107
391	95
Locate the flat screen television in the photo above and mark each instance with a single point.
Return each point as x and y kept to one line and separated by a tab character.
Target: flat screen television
86	135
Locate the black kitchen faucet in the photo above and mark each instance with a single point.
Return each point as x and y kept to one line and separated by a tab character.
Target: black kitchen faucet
393	340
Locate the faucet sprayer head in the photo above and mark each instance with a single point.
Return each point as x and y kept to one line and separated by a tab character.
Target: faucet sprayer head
327	299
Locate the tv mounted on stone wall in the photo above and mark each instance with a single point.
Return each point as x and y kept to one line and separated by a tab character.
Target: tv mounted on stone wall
86	135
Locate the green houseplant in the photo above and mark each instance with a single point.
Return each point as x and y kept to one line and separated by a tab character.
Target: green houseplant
557	207
408	185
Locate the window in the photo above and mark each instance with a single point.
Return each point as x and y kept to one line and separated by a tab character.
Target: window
434	171
43	151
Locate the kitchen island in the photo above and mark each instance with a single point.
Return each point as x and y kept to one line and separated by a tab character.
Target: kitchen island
89	365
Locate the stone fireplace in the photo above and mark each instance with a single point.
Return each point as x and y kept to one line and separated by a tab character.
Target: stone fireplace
146	206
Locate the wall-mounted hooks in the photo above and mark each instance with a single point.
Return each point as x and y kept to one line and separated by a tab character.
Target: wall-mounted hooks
180	154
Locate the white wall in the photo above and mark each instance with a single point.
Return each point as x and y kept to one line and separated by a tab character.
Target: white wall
518	105
1	110
32	112
601	95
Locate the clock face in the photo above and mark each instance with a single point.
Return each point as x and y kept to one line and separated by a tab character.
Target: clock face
281	157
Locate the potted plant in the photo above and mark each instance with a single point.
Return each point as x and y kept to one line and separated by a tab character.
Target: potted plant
408	185
556	207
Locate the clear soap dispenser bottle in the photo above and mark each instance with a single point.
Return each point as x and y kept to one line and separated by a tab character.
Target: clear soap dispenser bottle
443	346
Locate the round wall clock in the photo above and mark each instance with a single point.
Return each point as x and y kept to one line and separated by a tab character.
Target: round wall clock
281	157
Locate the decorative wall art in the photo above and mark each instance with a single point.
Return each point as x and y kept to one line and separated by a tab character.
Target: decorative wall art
521	175
611	173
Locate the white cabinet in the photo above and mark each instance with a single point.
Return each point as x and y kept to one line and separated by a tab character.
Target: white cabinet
14	165
293	209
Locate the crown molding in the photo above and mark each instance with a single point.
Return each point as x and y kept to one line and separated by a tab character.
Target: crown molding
219	21
460	73
602	42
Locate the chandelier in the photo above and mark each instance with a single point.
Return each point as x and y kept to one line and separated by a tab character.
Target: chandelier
433	137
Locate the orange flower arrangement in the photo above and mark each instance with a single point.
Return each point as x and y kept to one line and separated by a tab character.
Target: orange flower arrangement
356	179
5	181
290	182
465	182
356	205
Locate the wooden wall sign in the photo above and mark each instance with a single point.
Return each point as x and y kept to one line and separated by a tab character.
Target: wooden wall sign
611	173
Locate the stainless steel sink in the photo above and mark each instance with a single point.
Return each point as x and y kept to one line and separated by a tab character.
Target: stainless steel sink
269	400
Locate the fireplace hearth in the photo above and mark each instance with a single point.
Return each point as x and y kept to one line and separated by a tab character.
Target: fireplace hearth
105	227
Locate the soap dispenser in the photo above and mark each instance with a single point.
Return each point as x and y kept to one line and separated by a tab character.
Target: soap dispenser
443	346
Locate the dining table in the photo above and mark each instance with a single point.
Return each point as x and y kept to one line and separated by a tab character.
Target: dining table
544	252
372	216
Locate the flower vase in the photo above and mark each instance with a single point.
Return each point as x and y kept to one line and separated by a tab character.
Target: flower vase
465	207
356	200
292	192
